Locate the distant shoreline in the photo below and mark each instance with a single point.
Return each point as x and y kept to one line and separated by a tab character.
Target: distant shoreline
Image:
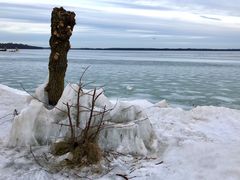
4	46
153	49
25	46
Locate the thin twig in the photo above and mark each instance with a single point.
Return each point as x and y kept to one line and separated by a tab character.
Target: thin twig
6	121
133	177
6	115
91	114
40	100
78	104
36	160
98	95
159	163
86	84
124	109
82	177
70	122
123	176
81	77
100	124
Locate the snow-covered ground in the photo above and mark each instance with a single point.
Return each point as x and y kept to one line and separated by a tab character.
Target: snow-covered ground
202	143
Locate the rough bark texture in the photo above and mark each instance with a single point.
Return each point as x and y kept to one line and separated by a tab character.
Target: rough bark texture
62	23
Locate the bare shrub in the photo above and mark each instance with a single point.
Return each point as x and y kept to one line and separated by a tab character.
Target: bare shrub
82	143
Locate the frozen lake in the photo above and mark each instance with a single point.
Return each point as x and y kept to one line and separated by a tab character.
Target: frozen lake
183	78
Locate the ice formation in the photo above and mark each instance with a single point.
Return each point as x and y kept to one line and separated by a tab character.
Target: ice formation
127	128
201	143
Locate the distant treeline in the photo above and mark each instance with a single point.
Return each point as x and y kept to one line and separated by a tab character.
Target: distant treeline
18	46
156	49
25	46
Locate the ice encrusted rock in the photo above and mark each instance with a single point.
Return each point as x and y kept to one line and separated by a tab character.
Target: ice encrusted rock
127	128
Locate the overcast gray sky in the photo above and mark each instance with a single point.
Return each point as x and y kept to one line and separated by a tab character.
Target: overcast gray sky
127	23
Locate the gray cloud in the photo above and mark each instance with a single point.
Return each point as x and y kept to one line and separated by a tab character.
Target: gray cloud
35	13
137	23
206	17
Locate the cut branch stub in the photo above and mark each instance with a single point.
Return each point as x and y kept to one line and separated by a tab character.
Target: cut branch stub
62	23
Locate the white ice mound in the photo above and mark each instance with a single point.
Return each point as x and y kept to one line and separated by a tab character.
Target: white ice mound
162	104
31	126
7	95
127	128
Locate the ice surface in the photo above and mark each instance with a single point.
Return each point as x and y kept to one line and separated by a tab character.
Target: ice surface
130	131
202	143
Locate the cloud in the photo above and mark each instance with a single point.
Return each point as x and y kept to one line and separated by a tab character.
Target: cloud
211	18
149	23
23	27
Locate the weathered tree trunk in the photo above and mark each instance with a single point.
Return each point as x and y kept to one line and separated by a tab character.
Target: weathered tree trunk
62	23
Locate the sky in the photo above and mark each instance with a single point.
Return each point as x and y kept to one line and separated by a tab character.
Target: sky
127	23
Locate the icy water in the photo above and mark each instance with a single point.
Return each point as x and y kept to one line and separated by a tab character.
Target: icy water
183	78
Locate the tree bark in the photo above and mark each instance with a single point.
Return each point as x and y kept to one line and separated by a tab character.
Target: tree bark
62	23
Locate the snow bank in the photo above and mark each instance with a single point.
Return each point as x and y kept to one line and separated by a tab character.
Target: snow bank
11	100
204	123
8	95
128	129
202	143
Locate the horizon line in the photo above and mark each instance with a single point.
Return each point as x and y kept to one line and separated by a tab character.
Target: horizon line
26	46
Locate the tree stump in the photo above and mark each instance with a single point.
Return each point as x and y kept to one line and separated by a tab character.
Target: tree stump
62	23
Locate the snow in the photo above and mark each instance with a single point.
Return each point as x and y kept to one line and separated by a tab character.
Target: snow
11	99
201	143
